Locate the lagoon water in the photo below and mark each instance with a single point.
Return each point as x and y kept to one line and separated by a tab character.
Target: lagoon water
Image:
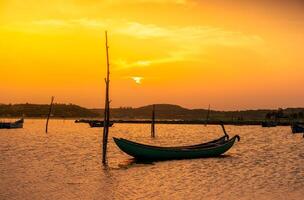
268	163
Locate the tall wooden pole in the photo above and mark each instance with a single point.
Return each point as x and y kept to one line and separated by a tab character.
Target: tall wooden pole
49	114
107	107
153	122
207	117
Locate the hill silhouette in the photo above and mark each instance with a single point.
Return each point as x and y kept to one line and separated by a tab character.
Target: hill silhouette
163	111
41	110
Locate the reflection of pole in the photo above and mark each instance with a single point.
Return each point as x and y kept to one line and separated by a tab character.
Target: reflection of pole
153	122
48	117
107	107
207	117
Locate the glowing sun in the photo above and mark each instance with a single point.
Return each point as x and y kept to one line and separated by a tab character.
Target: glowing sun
137	79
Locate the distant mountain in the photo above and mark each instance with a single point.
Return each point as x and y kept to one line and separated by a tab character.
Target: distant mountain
38	110
162	111
169	111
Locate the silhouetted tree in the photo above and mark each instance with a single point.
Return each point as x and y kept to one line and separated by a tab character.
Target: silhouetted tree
268	115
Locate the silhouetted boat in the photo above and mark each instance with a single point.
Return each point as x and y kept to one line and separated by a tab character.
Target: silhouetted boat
10	125
96	124
149	152
83	121
297	128
269	124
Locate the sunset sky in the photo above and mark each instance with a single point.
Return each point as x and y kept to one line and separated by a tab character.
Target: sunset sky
238	54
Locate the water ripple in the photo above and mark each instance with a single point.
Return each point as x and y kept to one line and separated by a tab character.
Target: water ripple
66	164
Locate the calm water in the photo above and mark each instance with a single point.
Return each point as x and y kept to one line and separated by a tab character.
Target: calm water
65	164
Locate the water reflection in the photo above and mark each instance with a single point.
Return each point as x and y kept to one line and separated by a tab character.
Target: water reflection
66	164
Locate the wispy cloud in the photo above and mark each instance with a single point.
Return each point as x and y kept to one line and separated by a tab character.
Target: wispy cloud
170	58
143	31
188	42
84	22
190	34
147	1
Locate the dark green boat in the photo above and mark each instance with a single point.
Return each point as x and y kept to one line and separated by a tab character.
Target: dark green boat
149	152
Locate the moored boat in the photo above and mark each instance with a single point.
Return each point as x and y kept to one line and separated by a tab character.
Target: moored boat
11	125
297	128
96	124
149	152
83	121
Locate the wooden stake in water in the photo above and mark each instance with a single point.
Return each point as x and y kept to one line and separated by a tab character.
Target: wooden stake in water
153	122
107	107
207	117
49	114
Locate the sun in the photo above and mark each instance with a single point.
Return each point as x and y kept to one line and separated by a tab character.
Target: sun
137	79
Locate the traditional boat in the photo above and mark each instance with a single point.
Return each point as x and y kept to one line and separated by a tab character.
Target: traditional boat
96	124
297	128
148	152
83	121
10	125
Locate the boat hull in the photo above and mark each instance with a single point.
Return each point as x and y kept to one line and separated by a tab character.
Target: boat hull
11	125
97	124
146	152
268	124
296	128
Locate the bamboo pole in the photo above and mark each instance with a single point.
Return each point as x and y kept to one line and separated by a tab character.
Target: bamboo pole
107	107
207	117
153	122
49	114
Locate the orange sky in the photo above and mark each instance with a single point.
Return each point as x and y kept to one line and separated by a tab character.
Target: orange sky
236	55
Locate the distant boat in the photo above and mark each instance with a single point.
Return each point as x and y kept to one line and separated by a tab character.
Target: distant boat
11	125
269	124
297	128
96	124
148	152
83	121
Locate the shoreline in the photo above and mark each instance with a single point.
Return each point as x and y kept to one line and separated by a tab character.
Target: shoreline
168	121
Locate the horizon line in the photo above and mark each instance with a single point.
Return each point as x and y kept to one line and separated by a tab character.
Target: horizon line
90	108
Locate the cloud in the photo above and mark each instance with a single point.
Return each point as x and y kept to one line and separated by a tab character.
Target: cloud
183	35
147	1
123	64
190	35
84	22
143	31
188	42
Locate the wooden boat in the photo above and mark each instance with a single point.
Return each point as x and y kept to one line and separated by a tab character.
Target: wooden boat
149	152
297	128
269	124
87	121
96	124
11	125
83	121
